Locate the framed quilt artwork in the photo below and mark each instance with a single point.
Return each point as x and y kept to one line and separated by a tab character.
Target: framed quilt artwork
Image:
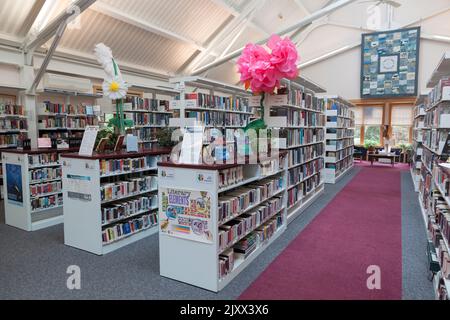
390	63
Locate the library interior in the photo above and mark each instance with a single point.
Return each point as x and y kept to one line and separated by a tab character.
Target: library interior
224	150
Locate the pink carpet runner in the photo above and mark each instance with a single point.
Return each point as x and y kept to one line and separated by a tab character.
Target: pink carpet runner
361	227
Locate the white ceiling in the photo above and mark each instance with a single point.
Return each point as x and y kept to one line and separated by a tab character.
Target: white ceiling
176	36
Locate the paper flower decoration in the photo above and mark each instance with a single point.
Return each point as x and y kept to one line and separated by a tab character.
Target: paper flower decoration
262	71
115	88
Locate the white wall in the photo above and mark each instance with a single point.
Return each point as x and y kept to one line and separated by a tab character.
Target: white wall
341	74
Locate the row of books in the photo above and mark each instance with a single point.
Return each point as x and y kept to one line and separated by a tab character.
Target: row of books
298	97
340	166
128	208
81	123
13	124
49	202
340	155
300	118
342	122
248	245
342	109
12	110
219	119
438	117
435	139
237	228
145	104
125	229
297	137
300	173
216	102
299	192
341	133
272	166
10	139
45	188
150	119
67	123
43	159
56	108
341	144
441	92
144	134
45	174
113	166
233	203
229	177
303	154
80	110
128	188
52	122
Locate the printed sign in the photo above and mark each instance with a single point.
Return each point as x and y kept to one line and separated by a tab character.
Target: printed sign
78	187
186	214
14	184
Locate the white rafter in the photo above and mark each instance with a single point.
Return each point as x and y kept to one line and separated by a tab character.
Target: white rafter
145	25
31	17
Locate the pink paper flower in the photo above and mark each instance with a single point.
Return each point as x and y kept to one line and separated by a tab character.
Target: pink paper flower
284	56
262	71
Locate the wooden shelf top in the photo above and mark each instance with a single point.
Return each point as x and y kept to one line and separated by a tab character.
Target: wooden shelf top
40	151
120	155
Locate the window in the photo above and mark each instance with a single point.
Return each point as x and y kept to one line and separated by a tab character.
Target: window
357	135
372	134
401	121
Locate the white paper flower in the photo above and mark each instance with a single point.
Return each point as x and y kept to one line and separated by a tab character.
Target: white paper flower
115	88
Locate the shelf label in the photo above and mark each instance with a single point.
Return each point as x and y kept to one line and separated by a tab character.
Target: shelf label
255	101
278	100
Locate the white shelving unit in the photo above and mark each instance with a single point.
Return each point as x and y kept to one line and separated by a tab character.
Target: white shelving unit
19	212
82	180
300	97
431	132
418	128
182	106
340	137
200	259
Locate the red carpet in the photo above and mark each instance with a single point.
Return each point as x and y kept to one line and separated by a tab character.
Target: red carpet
361	227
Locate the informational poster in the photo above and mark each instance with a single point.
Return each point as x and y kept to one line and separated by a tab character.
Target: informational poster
78	187
88	143
186	214
14	184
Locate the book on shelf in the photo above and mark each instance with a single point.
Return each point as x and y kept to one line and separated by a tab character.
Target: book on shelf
229	177
146	104
297	118
298	137
45	174
45	188
219	119
300	173
43	159
12	110
133	186
108	167
150	119
47	202
300	155
127	228
13	124
202	100
128	208
300	191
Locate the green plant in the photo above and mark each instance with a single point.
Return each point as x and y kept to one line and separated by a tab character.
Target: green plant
107	133
405	147
370	144
164	137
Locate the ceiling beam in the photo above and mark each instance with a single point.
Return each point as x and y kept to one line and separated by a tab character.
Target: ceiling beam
48	32
234	12
31	17
112	12
306	21
302	7
224	33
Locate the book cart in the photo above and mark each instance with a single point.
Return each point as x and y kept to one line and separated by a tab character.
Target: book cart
340	138
434	184
33	188
300	117
110	199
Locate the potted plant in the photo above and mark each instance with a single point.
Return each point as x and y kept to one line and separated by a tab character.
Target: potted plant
370	145
164	137
107	133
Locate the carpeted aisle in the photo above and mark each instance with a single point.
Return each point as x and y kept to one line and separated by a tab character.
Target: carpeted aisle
360	228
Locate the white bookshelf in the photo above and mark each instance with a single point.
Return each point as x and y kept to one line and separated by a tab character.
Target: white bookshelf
278	115
200	259
83	179
200	85
20	213
418	130
340	137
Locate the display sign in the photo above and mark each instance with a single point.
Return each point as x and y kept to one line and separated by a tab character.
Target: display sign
88	143
14	187
390	63
186	214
